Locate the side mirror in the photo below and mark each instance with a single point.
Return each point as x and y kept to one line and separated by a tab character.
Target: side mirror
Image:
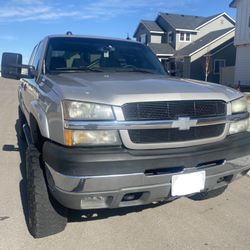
12	67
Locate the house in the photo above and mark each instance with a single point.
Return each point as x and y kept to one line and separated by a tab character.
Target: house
242	41
191	46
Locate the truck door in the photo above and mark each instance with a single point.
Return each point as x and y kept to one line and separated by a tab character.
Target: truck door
29	86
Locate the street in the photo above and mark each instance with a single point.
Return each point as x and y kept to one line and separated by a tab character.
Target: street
219	223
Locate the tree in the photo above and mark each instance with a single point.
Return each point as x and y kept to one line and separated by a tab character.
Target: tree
207	65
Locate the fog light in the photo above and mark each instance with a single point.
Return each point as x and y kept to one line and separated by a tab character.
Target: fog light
239	126
93	202
132	196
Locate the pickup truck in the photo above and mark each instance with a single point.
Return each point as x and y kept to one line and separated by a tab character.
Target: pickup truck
106	127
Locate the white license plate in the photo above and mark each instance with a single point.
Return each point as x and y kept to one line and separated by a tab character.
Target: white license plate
185	184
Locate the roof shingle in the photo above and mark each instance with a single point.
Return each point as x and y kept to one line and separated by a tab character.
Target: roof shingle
162	48
151	26
183	21
187	22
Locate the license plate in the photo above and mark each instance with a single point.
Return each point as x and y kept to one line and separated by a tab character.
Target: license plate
185	184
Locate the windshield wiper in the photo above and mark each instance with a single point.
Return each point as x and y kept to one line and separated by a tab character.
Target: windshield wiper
84	68
131	68
73	70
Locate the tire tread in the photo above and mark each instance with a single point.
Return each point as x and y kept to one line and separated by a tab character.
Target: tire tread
46	216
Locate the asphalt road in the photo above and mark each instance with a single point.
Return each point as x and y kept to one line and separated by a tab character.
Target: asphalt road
219	223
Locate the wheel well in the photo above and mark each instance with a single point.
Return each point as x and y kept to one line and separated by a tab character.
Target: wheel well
36	135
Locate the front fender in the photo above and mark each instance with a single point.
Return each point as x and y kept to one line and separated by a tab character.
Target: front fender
41	118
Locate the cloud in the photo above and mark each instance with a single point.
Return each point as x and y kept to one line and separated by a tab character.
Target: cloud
45	10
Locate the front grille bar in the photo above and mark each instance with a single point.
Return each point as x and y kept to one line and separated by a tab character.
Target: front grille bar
154	124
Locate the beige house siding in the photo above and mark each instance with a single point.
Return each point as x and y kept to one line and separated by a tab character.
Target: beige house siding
212	46
156	39
242	42
227	76
242	24
217	24
242	71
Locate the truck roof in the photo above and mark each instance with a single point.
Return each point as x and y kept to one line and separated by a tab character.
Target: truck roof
89	37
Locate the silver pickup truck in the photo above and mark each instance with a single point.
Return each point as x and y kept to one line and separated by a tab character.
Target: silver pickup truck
106	127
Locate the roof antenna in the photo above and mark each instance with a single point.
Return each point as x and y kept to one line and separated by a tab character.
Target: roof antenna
128	38
69	33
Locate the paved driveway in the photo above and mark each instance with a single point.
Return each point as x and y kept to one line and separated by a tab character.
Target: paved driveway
220	223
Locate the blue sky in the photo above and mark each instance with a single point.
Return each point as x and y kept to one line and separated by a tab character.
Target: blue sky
24	22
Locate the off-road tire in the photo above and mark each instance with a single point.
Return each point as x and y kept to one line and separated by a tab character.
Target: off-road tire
21	122
208	195
45	215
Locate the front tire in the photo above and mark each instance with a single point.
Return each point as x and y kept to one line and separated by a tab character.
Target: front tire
45	215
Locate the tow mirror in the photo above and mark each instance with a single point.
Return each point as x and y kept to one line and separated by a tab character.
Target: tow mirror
12	67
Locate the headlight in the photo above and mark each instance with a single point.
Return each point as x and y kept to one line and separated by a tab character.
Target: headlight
86	111
91	137
239	105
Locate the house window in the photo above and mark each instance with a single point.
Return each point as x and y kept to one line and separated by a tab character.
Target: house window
218	64
185	37
144	38
182	36
170	37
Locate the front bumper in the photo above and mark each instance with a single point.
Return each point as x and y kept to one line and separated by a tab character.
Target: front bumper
103	178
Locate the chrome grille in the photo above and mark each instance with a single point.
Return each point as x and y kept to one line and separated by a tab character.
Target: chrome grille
175	135
173	110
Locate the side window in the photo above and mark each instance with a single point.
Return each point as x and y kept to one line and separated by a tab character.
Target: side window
182	36
188	37
38	54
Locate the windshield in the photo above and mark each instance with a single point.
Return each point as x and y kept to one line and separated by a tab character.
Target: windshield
100	55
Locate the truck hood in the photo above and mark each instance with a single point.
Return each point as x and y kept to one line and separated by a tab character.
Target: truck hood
119	88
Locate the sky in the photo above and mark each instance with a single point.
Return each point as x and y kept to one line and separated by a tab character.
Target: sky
23	23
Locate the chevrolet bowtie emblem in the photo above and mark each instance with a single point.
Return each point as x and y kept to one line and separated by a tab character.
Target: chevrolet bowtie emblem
184	123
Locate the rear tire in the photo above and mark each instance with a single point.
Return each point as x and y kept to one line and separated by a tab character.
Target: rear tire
208	195
45	215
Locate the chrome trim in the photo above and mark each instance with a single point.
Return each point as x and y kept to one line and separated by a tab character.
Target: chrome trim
81	184
153	124
141	146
